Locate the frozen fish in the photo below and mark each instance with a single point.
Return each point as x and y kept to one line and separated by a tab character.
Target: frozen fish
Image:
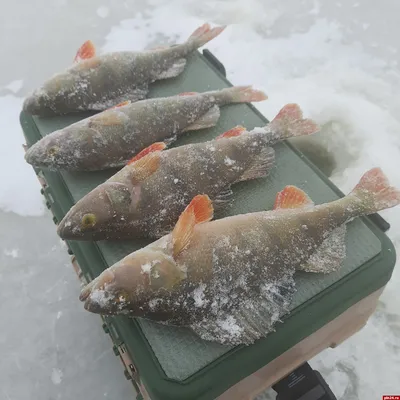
112	137
97	82
146	197
230	280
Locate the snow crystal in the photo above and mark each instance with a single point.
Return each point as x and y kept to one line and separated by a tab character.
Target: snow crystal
153	303
103	12
176	180
198	296
229	325
59	314
146	268
228	162
14	253
98	296
56	376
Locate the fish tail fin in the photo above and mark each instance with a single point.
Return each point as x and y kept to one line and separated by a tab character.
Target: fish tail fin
204	34
289	122
238	94
375	192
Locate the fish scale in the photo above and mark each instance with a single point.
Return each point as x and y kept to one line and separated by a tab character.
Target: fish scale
97	82
240	267
161	182
119	133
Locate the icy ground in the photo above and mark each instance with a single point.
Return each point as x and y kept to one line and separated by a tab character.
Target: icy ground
338	60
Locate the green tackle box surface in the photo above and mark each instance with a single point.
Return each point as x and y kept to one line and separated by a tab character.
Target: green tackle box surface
173	363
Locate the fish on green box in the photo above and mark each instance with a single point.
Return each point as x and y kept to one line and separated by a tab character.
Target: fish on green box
230	280
146	197
99	82
111	138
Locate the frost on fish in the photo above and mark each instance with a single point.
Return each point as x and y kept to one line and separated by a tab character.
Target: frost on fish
231	280
146	197
252	319
96	82
111	138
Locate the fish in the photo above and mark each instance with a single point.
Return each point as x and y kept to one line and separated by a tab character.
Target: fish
232	279
146	197
111	138
98	82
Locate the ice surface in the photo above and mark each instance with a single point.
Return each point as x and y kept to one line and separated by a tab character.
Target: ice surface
328	65
20	192
15	86
103	12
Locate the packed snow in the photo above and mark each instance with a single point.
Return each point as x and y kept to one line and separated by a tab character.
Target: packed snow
338	60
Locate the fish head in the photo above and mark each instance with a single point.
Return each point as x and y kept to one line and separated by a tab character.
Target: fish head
52	151
52	97
134	284
107	208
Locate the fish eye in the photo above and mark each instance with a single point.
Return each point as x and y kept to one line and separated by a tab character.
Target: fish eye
52	151
88	221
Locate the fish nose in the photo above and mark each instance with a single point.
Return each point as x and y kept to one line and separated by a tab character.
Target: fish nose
64	229
31	104
29	155
35	155
92	306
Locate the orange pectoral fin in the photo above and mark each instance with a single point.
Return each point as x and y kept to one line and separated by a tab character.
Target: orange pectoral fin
291	197
145	167
199	210
86	51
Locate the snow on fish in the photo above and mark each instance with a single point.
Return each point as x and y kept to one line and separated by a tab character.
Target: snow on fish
97	82
112	137
146	197
230	280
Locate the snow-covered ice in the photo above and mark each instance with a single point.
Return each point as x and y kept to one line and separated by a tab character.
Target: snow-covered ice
103	12
15	86
339	61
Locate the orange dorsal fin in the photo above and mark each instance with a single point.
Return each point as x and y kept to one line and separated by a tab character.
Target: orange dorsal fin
158	146
124	103
236	131
199	210
291	197
145	167
86	51
188	94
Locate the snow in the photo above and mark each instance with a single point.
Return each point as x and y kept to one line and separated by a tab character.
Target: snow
230	326
229	162
20	191
103	12
198	296
312	52
146	268
14	253
15	86
56	376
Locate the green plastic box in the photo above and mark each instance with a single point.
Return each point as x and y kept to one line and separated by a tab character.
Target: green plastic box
172	363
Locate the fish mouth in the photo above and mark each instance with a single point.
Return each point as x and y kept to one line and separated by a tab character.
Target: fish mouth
67	231
36	157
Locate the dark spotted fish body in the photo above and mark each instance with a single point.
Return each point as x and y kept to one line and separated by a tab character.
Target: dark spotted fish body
146	197
112	137
231	279
99	82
